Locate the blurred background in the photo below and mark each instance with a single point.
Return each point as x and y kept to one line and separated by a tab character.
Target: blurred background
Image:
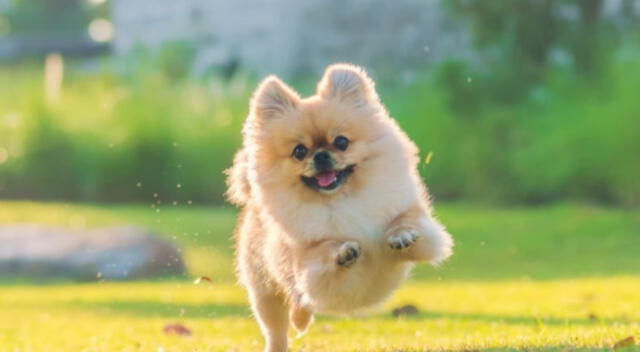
118	117
519	102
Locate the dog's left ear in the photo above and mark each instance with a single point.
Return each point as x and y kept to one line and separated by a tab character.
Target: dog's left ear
347	83
273	98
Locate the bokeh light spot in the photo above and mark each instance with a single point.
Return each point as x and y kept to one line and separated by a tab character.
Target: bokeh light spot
101	30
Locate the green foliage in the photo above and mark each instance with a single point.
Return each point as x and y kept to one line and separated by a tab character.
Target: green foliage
572	138
522	40
120	139
127	137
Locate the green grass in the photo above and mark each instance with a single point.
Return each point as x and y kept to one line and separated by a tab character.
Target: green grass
556	278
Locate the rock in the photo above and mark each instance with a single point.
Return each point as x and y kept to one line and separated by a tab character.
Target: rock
116	253
406	310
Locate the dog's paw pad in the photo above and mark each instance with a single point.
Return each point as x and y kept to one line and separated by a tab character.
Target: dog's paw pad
402	240
348	254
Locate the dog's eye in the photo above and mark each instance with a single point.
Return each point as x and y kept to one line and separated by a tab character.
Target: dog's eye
341	143
299	152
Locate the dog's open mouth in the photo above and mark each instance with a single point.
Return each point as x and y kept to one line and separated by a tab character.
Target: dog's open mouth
328	180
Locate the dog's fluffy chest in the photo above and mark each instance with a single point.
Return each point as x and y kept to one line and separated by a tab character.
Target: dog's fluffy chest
363	216
354	222
353	219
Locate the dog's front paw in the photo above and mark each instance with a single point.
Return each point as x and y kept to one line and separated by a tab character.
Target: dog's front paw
348	254
402	239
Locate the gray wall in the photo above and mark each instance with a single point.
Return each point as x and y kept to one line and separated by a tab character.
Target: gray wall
288	37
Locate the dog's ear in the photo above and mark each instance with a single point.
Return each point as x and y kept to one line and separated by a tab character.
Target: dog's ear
348	83
273	98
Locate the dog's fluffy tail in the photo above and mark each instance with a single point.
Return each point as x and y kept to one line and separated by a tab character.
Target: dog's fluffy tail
239	189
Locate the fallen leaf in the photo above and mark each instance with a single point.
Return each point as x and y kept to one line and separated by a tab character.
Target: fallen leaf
427	160
592	316
177	329
202	278
626	342
408	309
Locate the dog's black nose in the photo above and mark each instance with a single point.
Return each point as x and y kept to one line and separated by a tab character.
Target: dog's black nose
322	161
322	157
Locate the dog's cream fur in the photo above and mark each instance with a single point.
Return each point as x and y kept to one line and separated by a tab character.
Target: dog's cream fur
301	251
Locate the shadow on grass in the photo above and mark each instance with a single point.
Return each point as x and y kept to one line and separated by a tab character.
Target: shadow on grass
511	320
546	348
211	311
161	309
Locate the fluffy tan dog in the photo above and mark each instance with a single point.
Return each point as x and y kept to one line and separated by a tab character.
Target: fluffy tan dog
334	211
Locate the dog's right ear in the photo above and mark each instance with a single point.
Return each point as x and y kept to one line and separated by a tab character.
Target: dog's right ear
273	98
347	83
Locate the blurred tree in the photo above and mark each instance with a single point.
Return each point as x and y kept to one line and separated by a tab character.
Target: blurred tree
34	28
48	16
522	39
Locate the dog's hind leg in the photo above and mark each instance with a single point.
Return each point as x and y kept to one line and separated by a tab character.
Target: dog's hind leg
271	312
301	318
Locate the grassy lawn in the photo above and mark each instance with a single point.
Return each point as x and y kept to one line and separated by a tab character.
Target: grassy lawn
564	277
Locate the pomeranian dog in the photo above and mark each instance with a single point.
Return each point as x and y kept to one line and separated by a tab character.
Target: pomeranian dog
335	213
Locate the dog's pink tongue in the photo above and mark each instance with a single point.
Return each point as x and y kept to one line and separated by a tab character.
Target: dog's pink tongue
326	178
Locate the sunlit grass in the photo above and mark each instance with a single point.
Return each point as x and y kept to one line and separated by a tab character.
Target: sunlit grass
558	278
591	313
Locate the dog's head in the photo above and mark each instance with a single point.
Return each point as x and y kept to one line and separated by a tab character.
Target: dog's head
324	144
